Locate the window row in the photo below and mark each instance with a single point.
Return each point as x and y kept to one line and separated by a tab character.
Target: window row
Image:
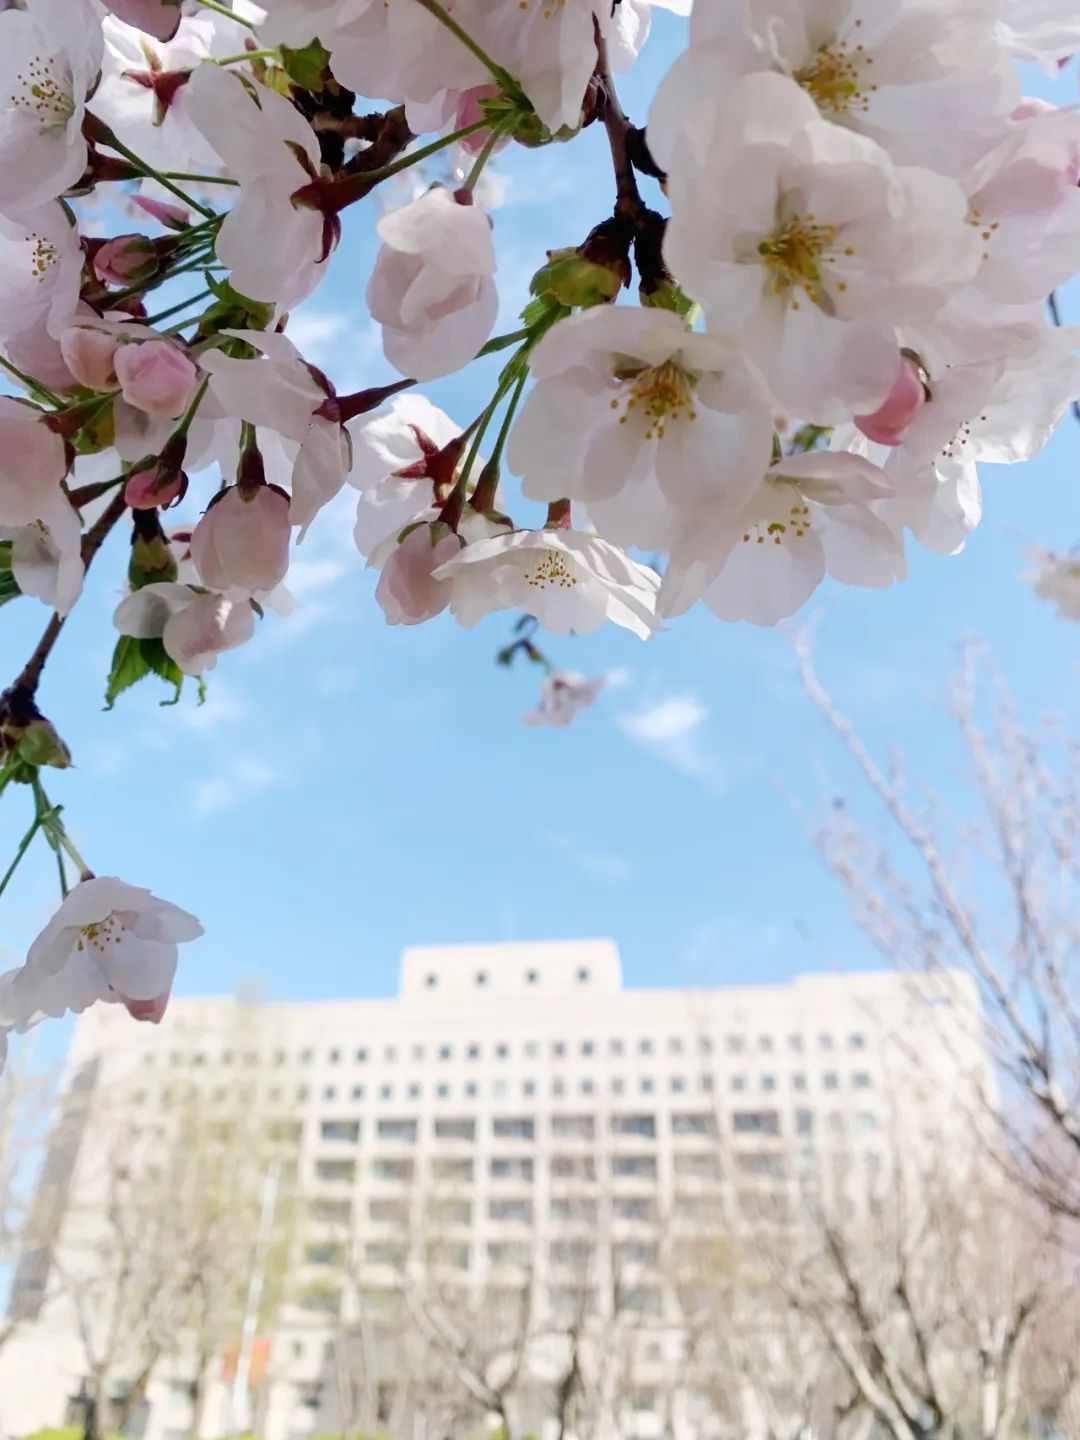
529	1050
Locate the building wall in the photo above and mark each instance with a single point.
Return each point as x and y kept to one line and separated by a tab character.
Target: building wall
513	1113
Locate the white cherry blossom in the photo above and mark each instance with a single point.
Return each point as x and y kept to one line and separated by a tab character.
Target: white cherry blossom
109	941
432	289
570	581
629	403
563	696
194	626
50	55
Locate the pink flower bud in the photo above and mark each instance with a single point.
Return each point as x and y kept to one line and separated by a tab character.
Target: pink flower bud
156	487
241	545
1032	105
90	354
173	217
406	591
125	259
887	424
469	111
156	377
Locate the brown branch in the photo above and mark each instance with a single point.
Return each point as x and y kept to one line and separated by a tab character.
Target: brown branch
618	127
23	689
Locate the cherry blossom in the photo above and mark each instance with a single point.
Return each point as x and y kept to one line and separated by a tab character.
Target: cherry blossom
46	558
241	545
194	626
50	55
570	581
628	400
563	695
109	941
32	465
432	289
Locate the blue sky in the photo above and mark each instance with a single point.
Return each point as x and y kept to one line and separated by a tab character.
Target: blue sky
350	788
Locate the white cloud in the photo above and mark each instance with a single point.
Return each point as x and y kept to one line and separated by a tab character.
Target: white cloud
221	705
243	779
602	864
314	332
670	729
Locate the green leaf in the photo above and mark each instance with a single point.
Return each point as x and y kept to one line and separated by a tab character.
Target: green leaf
133	660
306	67
9	589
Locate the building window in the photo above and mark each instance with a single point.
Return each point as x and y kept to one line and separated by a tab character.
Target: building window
830	1080
704	1045
804	1122
386	1092
675	1045
414	1092
442	1092
513	1128
615	1047
582	975
358	1092
647	1086
861	1080
531	977
857	1042
506	1168
756	1122
588	1047
587	1087
707	1084
445	1052
581	1127
431	980
798	1082
532	1049
361	1056
825	1042
502	1052
335	1170
498	1089
397	1130
518	1211
641	1165
867	1120
341	1130
470	1090
528	1087
392	1169
738	1082
634	1125
693	1123
473	1052
481	977
678	1084
765	1044
558	1050
301	1093
735	1044
618	1085
645	1046
334	1057
418	1052
768	1082
329	1092
306	1057
558	1088
455	1129
795	1042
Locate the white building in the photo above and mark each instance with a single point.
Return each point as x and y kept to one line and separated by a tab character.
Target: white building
513	1121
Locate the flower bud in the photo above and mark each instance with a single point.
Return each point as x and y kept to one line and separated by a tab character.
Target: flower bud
156	377
156	487
241	545
125	260
887	424
575	281
41	745
89	354
406	591
470	110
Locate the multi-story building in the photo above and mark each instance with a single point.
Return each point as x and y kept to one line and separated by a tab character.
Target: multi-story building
512	1160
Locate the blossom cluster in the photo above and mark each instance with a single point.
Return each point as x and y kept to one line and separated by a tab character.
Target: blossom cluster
813	301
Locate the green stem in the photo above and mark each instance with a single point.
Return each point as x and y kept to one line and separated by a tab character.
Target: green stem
224	10
114	143
199	262
35	387
200	179
248	55
24	845
503	342
497	133
415	156
189	414
505	79
175	309
508	418
49	818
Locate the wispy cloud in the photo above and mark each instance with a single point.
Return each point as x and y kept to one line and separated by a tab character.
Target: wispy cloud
670	728
222	704
601	864
243	778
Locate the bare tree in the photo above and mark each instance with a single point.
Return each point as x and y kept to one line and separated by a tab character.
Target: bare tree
992	891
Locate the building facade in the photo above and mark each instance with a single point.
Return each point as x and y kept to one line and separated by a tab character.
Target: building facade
516	1167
